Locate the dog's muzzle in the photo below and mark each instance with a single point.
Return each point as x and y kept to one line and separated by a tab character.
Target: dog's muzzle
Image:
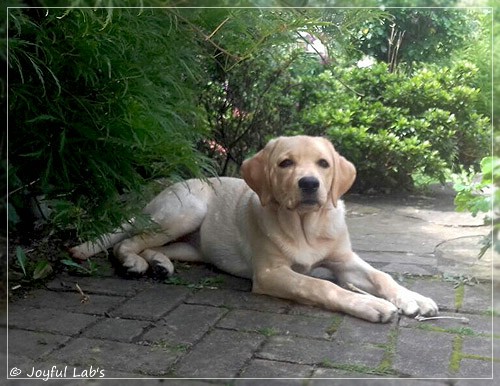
309	188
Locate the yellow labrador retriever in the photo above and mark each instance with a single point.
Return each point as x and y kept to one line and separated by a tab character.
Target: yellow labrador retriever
276	225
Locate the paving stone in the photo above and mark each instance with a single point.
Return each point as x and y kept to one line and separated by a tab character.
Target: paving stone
481	324
353	330
123	330
314	351
96	304
380	232
441	292
109	355
152	303
50	320
414	345
357	354
259	368
476	382
200	274
270	324
159	330
409	269
238	299
477	298
221	354
312	311
330	376
271	382
369	381
458	255
482	346
33	344
441	217
475	324
398	257
102	285
110	374
185	325
473	368
496	341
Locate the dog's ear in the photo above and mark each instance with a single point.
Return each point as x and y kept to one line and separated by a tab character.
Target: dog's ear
255	172
344	175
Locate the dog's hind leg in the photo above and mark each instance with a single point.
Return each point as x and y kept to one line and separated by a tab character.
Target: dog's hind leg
176	218
135	253
89	248
159	258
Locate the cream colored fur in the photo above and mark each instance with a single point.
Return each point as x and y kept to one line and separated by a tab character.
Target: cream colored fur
274	226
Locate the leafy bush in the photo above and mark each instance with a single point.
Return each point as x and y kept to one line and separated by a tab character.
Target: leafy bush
106	100
262	96
427	34
101	107
395	125
389	124
483	197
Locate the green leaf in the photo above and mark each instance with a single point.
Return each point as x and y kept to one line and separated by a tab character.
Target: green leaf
42	270
12	214
71	263
487	166
42	118
22	259
460	187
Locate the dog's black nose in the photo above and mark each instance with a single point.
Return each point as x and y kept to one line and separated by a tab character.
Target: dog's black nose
309	184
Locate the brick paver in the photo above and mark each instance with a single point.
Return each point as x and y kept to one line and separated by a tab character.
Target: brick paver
202	323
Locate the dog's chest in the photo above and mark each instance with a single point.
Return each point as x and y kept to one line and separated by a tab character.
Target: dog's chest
308	240
304	251
305	256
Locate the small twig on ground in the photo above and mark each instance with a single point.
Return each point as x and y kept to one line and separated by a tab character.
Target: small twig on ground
420	318
462	319
84	298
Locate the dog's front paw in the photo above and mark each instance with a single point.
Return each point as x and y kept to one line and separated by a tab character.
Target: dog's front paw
370	308
411	303
379	310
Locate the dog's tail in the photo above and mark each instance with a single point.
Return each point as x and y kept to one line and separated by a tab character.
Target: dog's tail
89	248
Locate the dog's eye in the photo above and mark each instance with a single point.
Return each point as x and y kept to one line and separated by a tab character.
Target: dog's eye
323	163
286	163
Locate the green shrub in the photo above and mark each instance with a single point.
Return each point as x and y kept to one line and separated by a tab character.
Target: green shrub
390	124
401	124
428	34
263	95
106	100
483	196
99	107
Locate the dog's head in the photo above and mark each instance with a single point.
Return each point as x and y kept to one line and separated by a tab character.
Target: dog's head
299	173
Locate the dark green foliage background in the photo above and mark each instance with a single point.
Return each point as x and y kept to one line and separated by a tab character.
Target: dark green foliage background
103	102
99	105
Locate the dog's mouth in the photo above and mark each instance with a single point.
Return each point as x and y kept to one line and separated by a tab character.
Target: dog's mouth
308	205
309	199
309	202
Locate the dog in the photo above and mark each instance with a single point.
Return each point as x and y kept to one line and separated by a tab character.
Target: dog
274	226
